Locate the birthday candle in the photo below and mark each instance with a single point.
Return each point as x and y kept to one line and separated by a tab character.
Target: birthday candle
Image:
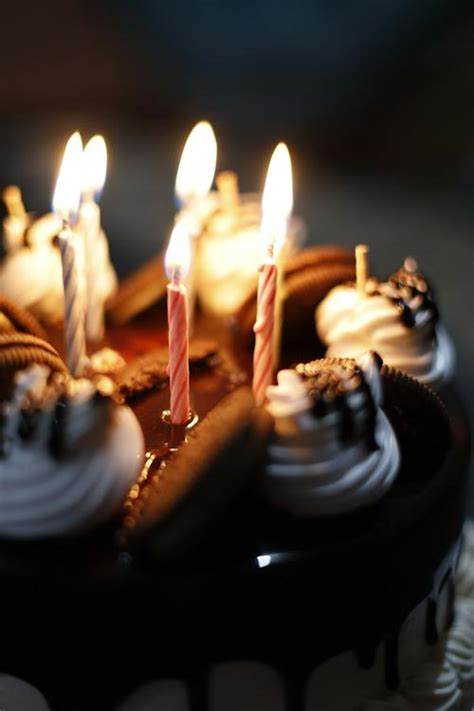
65	204
94	163
177	261
73	311
263	353
277	202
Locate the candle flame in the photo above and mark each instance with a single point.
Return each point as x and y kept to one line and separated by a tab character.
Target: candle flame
68	189
94	165
277	199
178	254
197	165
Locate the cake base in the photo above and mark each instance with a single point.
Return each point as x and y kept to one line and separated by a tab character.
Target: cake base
107	612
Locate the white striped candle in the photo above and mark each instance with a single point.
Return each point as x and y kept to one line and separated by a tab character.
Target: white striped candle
74	335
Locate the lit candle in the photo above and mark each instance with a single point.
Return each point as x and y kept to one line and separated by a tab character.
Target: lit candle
277	203
177	263
195	175
194	179
94	165
65	204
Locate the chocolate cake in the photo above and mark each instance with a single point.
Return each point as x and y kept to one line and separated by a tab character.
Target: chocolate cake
199	568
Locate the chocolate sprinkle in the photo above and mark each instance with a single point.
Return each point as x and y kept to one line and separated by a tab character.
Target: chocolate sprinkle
338	385
410	293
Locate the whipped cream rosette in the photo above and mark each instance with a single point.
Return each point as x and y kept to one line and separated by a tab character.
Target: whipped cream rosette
31	275
229	253
398	318
68	455
333	449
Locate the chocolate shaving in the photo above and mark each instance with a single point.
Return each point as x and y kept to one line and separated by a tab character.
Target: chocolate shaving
332	384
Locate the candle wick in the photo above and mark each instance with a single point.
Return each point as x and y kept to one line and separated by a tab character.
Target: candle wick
176	276
65	223
271	249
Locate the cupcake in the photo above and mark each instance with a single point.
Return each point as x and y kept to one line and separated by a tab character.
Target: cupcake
333	449
398	318
68	455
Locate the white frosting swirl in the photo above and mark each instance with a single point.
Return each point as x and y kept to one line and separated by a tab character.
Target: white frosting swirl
465	570
32	276
310	471
43	494
350	324
229	253
460	652
434	687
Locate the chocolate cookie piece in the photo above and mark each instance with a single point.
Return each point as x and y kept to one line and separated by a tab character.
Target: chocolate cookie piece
309	275
138	292
14	319
18	351
149	372
198	483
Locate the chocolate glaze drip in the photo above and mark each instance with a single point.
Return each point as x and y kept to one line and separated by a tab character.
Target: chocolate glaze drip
431	632
198	690
27	424
295	691
366	655
337	385
452	597
410	293
56	442
392	676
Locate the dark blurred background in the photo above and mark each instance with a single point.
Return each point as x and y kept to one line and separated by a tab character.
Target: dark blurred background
375	100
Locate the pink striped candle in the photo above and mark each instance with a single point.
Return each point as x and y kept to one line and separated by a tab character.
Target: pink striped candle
178	329
277	201
263	353
177	262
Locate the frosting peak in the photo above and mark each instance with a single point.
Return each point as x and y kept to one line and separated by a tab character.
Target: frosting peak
333	449
68	455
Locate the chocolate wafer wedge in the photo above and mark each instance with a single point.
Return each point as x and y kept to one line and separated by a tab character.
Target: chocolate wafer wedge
193	491
150	371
